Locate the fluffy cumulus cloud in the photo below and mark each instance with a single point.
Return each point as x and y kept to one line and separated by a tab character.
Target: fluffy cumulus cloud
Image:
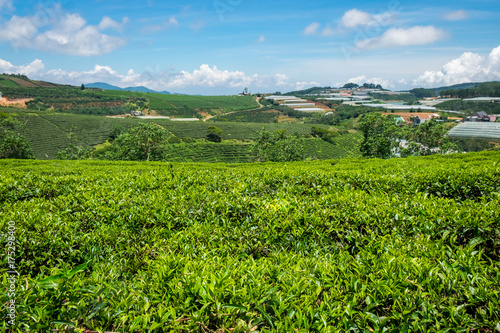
206	78
469	67
456	15
419	35
355	17
62	33
34	68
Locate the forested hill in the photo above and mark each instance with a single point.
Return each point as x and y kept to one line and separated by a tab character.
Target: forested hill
487	89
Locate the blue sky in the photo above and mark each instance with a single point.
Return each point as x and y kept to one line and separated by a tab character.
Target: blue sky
223	46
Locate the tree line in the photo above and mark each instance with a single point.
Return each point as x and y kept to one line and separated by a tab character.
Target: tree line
488	89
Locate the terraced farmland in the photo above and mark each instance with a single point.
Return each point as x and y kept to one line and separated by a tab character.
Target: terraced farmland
49	133
46	139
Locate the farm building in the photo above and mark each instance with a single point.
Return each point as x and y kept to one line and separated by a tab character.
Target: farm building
479	116
480	130
281	98
310	110
415	118
293	105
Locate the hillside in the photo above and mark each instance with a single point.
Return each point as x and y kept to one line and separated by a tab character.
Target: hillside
105	86
50	133
460	86
17	80
60	116
487	89
406	245
96	101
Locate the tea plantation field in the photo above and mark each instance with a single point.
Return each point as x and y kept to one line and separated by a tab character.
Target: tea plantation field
50	133
184	105
403	245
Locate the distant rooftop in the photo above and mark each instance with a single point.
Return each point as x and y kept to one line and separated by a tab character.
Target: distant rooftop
310	110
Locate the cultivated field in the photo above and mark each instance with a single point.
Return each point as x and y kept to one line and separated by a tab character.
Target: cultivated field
181	105
49	133
403	245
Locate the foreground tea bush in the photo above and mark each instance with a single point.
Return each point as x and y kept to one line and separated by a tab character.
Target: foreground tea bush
407	245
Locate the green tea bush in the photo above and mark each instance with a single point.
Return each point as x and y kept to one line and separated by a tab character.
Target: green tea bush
406	245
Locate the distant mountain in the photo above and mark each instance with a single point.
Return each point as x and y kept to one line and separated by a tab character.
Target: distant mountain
106	86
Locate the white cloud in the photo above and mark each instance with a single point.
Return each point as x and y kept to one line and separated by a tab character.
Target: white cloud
456	15
62	33
18	29
34	68
205	77
109	23
261	39
419	35
376	80
305	85
312	29
355	17
469	67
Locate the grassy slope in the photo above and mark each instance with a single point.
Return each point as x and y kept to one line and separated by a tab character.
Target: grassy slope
365	245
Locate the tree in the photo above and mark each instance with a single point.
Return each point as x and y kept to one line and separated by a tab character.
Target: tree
145	142
74	152
278	147
350	85
13	144
381	135
82	87
214	134
430	139
422	92
325	134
